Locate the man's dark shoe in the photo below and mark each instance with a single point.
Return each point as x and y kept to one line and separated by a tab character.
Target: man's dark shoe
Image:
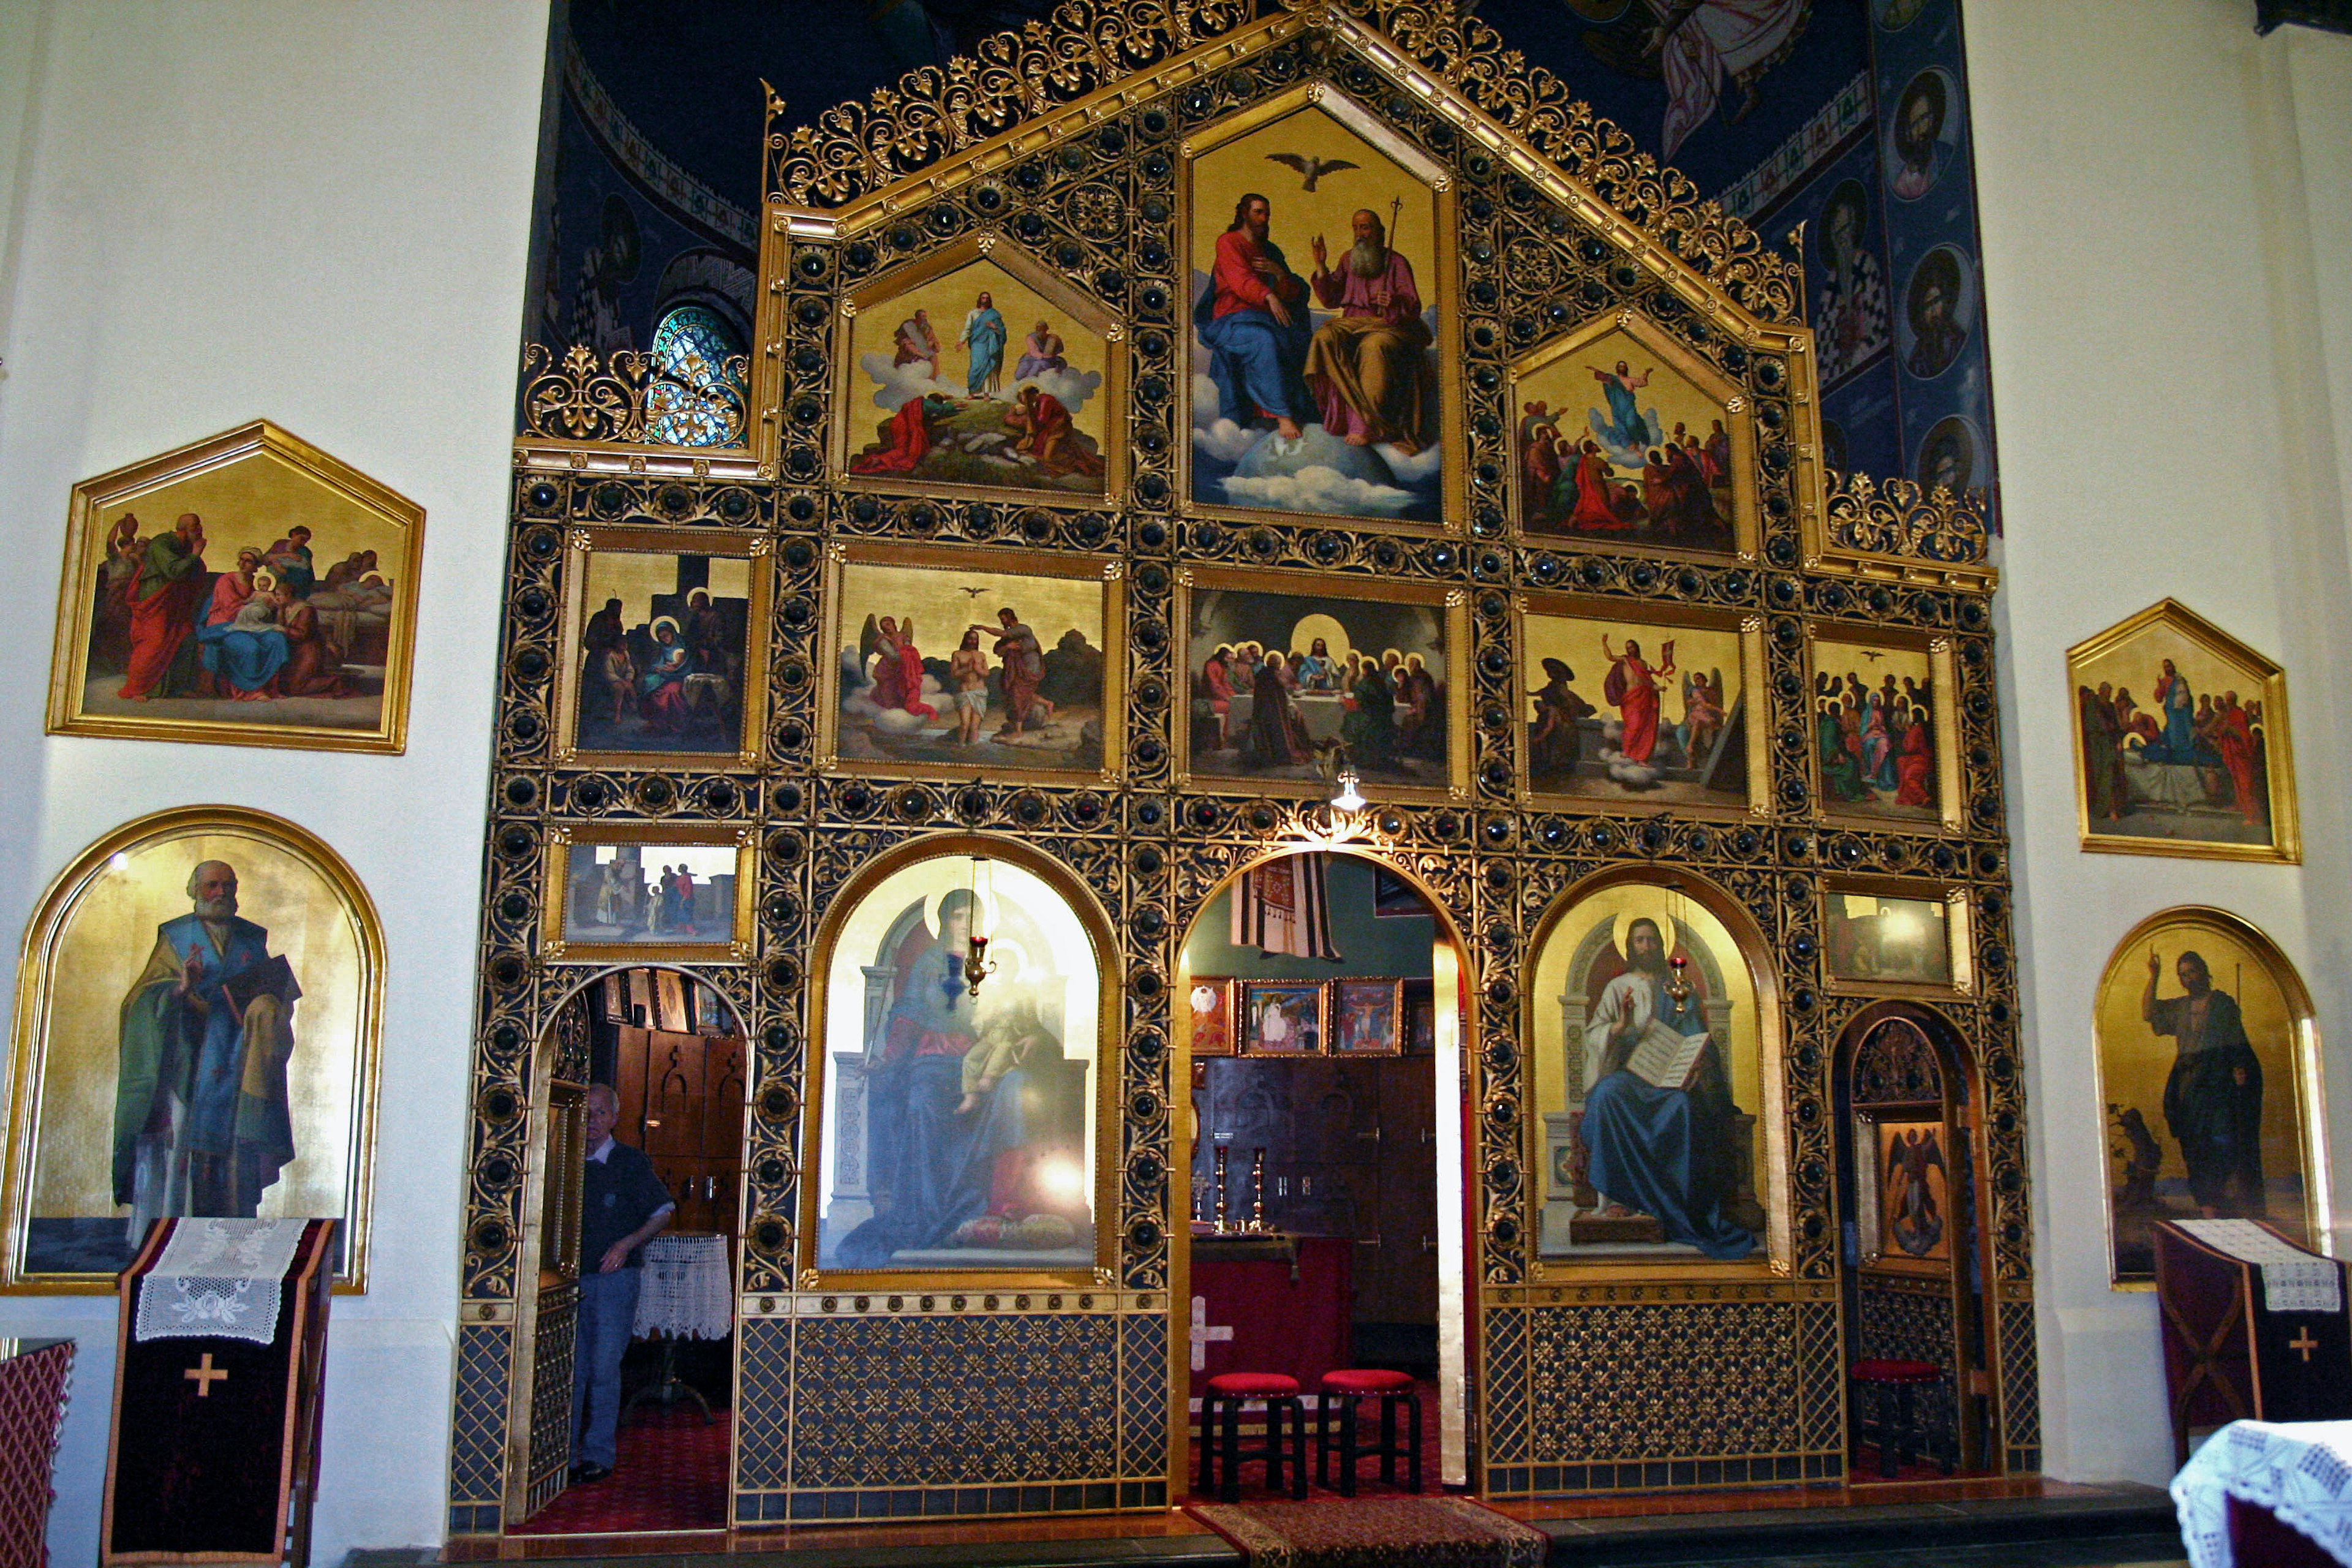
587	1473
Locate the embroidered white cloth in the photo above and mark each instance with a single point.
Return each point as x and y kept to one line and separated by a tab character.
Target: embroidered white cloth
685	1292
2294	1281
2301	1471
218	1278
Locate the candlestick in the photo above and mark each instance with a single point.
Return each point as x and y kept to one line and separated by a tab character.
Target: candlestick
1221	1228
1257	1190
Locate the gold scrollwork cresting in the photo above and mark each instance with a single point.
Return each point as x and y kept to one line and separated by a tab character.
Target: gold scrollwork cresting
579	397
937	111
1896	517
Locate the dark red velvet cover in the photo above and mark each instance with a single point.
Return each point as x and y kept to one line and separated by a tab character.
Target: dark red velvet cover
2226	1356
2257	1540
1299	1329
216	1477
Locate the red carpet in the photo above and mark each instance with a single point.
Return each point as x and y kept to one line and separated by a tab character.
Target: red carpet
1373	1532
672	1475
1368	1469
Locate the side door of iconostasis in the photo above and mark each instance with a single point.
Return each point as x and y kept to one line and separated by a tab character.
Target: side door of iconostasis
1914	1282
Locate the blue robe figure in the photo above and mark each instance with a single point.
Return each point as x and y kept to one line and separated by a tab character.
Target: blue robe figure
1624	429
2181	743
1259	365
202	1123
242	658
936	1165
983	334
1665	1152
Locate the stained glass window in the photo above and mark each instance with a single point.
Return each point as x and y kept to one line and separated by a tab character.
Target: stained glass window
698	395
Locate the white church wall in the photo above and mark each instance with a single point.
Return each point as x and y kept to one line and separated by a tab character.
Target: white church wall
2166	265
318	213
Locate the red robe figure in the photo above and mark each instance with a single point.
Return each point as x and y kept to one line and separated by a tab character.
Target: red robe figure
1633	687
1594	509
908	438
2236	743
1913	766
164	593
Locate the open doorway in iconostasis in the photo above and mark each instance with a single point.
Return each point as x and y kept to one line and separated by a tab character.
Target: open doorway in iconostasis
1916	1325
1318	996
630	1332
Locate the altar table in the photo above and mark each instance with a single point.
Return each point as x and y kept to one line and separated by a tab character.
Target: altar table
1275	1303
35	1379
2268	1495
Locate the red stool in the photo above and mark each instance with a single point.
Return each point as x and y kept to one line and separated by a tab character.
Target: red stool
1339	1391
1227	1391
1899	1438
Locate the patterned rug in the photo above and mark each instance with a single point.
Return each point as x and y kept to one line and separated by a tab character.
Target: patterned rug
1374	1532
672	1475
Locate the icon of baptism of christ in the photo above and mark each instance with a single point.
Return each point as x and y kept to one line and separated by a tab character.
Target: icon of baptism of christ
1315	325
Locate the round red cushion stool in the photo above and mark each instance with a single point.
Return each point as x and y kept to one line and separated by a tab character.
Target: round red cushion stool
1227	1392
1338	1394
1897	1434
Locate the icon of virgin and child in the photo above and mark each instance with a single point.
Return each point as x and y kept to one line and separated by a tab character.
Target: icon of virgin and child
975	1120
1659	1125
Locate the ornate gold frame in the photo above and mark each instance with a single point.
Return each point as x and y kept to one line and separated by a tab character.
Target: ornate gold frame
1943	680
580	544
1108	1043
93	498
1740	420
998	251
1243	1039
1959	938
1332	988
36	981
1746	624
1454	603
2310	1064
2285	846
1183	1015
1110	571
1446	269
736	947
1776	1262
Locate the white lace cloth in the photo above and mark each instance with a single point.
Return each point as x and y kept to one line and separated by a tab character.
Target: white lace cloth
2294	1281
688	1292
218	1278
2300	1472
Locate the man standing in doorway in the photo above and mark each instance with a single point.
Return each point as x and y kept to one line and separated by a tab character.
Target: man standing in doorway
623	1206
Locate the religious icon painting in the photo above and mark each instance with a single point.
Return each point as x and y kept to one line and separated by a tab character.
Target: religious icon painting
1367	1018
1912	1186
977	372
1209	1016
2181	741
1885	743
954	662
1324	371
1881	937
660	653
247	590
1296	678
2209	1077
1629	706
959	1083
1923	135
1282	1017
1625	438
621	893
1656	1085
1938	313
199	1002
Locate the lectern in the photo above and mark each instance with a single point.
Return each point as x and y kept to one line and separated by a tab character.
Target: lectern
220	1353
2253	1327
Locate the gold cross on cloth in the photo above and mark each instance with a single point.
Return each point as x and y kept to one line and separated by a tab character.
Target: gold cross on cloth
205	1374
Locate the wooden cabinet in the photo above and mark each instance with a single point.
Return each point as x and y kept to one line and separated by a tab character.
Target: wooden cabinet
682	1102
1350	1150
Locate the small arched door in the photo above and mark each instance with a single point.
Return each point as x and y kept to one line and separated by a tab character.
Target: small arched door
1908	1155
